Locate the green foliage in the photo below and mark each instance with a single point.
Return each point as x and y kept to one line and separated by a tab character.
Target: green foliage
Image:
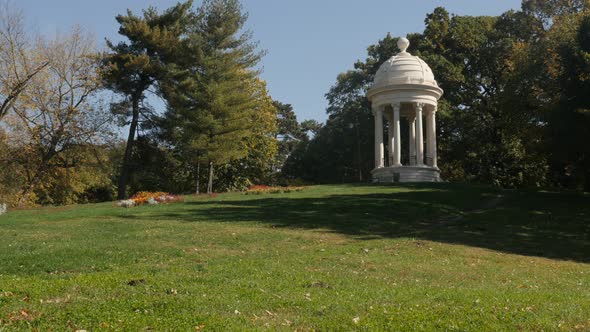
489	117
514	106
292	138
568	91
340	150
216	110
289	132
547	10
80	175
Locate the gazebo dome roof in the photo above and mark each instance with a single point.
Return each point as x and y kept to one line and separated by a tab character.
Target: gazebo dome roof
404	68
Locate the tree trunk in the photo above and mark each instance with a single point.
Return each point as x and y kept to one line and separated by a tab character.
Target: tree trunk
358	152
587	181
210	182
198	175
124	175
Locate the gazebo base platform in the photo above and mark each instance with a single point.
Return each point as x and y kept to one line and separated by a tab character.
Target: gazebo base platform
406	174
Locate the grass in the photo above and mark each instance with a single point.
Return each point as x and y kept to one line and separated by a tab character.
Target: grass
413	257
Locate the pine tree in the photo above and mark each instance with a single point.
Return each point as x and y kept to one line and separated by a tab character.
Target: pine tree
131	68
212	110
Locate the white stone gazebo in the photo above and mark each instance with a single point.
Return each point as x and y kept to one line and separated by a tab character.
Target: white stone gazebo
404	87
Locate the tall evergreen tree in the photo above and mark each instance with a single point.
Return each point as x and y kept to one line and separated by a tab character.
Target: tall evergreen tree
211	110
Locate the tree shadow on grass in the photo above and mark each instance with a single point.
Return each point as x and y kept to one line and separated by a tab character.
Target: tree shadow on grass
552	225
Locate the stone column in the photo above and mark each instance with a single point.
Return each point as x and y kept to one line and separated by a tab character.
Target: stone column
389	117
378	113
412	138
396	136
432	129
419	136
429	138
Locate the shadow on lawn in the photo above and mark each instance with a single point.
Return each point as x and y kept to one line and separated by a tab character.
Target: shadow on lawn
552	225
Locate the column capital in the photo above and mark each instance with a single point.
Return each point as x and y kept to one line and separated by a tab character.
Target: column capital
431	110
375	109
387	115
420	105
396	105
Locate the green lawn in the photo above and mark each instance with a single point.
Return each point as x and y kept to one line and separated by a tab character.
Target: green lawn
413	257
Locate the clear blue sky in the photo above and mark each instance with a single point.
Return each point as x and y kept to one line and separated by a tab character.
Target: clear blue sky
309	42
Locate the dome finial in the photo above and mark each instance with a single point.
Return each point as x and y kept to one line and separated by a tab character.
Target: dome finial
403	43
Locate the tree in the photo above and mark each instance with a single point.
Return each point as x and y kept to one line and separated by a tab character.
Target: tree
546	10
56	122
568	94
489	118
311	126
211	110
132	67
260	144
289	132
19	62
339	151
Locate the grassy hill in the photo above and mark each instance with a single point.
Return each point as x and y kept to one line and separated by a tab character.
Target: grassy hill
411	257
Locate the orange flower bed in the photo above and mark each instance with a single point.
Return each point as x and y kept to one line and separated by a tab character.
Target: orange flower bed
259	187
159	197
262	189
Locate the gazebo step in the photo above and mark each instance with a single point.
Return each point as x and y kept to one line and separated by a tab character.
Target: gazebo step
406	174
